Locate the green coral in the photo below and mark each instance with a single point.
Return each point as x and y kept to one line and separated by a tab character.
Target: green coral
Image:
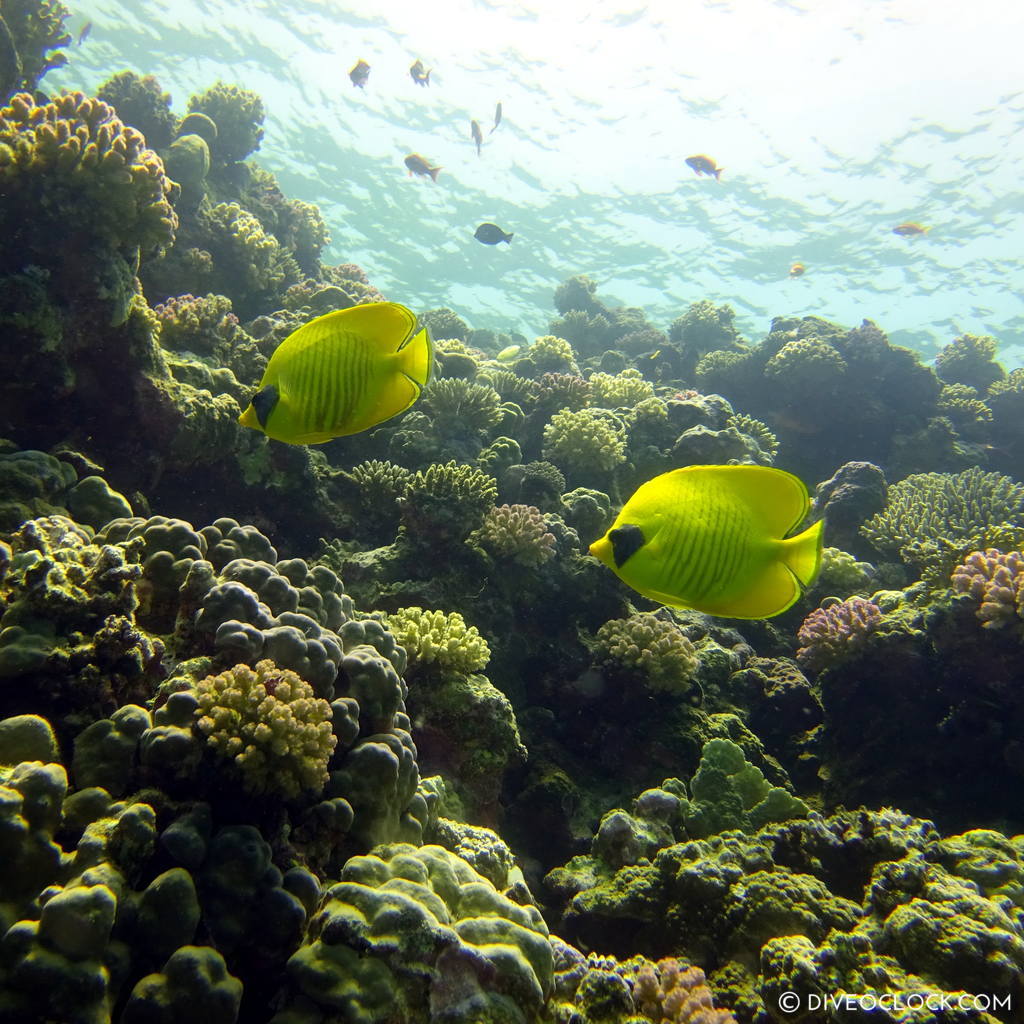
31	35
758	430
268	722
841	575
446	501
649	646
72	161
516	533
238	114
587	441
140	102
439	638
626	389
932	519
970	359
960	402
550	354
463	404
806	363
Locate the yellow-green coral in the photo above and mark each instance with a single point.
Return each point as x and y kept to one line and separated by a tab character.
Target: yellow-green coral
380	482
29	30
620	390
586	440
238	114
758	430
453	400
140	102
960	402
553	355
270	725
441	638
932	519
970	359
464	486
652	647
517	533
842	575
806	363
77	167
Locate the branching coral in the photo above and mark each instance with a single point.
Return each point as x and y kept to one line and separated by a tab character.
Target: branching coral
970	359
806	363
669	994
516	533
651	647
587	441
74	164
441	638
758	430
552	355
462	404
446	501
269	723
621	390
140	102
444	323
238	114
932	519
204	325
833	633
996	582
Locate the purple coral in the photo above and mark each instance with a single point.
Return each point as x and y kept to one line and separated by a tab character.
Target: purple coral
831	633
668	992
996	581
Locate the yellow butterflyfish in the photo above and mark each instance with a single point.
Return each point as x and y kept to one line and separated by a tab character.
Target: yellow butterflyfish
342	373
714	538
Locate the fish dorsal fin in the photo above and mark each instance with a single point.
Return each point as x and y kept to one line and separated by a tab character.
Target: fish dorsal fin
778	500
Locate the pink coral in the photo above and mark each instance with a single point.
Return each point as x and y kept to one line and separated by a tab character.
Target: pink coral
668	993
996	581
831	633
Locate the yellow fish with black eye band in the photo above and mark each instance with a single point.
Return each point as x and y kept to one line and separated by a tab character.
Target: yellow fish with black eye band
342	373
715	538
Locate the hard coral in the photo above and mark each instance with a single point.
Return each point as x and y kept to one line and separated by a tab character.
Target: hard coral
238	114
75	166
204	325
996	581
462	405
587	441
441	638
625	389
970	359
651	647
670	994
29	31
268	723
831	634
140	102
516	533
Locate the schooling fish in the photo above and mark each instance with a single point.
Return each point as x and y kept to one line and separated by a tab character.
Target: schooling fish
420	74
360	73
491	234
704	165
714	538
342	373
497	118
909	229
420	166
478	136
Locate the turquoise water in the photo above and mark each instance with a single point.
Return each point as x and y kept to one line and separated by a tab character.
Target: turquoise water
833	125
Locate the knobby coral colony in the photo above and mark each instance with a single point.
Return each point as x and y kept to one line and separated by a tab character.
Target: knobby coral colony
237	784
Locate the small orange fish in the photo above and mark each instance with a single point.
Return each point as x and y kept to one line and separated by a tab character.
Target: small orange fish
420	74
418	165
360	73
909	229
704	165
478	135
797	270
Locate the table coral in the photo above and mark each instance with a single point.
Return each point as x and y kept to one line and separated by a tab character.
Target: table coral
73	161
996	581
836	631
931	520
270	725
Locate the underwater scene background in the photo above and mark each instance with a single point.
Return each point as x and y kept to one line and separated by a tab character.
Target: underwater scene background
382	729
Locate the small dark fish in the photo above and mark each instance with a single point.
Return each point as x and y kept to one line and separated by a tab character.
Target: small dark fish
497	118
491	234
420	74
360	73
478	136
704	165
420	166
83	33
909	229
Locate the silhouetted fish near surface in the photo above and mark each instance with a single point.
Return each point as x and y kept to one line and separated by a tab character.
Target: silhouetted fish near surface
83	33
420	74
702	164
497	118
491	234
420	166
360	73
909	229
478	135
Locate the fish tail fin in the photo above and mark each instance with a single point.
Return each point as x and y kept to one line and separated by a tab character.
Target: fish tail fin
718	173
426	77
433	172
417	358
802	553
508	238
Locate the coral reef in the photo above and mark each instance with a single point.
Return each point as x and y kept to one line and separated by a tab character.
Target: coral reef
836	631
237	113
996	582
654	649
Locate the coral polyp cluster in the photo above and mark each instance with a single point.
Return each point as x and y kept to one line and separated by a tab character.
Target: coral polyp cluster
996	581
836	631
